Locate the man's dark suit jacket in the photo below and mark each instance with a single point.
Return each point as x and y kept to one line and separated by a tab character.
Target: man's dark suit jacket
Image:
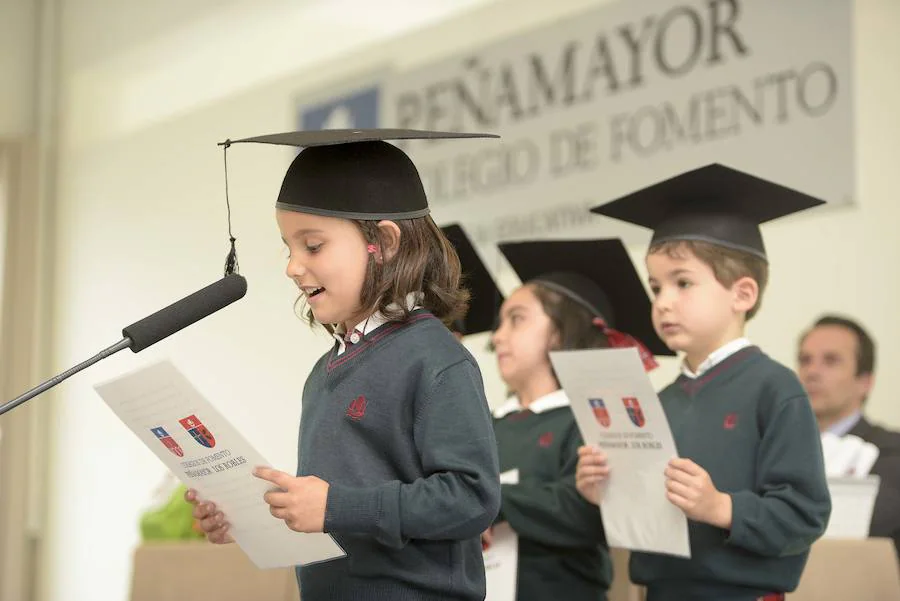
886	515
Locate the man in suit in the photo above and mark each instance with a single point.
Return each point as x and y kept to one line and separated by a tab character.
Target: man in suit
836	363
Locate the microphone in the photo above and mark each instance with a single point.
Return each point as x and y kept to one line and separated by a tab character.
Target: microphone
153	328
185	312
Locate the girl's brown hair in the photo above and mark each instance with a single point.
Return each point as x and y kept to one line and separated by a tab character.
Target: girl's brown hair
573	323
425	262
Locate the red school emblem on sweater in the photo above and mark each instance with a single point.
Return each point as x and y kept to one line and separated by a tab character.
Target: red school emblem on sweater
730	421
357	408
635	413
601	413
546	439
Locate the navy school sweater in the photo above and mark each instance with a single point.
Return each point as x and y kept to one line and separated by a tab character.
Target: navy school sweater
399	427
562	550
749	424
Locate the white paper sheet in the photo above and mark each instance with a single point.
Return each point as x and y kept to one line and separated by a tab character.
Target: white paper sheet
848	455
510	476
617	409
501	562
852	503
208	454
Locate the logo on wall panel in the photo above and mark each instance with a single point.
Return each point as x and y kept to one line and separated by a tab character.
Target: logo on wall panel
357	110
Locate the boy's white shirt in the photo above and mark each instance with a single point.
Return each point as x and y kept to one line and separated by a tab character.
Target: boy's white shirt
716	357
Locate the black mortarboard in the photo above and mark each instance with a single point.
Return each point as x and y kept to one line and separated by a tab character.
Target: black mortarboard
715	204
351	173
596	274
485	297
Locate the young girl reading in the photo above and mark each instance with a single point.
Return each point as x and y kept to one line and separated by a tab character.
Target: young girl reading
397	457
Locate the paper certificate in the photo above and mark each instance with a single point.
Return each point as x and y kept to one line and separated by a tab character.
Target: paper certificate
501	564
208	454
852	504
510	476
847	455
617	409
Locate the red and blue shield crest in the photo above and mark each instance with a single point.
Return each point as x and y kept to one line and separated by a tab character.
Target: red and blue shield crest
167	440
635	413
601	413
200	432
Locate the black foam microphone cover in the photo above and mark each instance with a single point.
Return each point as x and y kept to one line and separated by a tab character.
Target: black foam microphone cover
185	312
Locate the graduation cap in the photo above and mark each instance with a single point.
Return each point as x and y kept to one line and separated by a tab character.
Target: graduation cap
599	276
485	297
349	173
715	204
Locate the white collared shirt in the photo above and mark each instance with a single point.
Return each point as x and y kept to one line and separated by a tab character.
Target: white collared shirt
843	427
372	323
716	357
554	400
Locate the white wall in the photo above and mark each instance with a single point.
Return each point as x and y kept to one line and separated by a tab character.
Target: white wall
18	51
141	223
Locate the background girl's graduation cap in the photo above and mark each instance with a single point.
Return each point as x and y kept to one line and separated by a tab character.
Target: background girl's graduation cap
715	204
485	297
348	173
596	274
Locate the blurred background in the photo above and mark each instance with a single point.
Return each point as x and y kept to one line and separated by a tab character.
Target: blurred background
112	194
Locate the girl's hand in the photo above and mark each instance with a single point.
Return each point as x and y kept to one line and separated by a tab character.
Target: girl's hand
211	521
591	474
487	539
299	501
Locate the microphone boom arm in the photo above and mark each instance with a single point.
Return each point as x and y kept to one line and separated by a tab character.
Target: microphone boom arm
156	327
121	345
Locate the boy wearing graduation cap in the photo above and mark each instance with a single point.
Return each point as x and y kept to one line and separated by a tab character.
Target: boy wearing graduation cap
569	300
750	476
397	457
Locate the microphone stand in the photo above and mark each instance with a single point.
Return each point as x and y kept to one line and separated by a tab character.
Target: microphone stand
153	328
121	345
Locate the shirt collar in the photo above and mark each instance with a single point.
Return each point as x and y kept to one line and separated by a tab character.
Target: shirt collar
843	427
372	323
554	400
716	357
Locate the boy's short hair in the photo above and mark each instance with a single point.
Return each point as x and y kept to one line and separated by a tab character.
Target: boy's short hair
728	265
425	262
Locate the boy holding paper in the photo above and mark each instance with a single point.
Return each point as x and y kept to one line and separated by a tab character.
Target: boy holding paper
750	476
